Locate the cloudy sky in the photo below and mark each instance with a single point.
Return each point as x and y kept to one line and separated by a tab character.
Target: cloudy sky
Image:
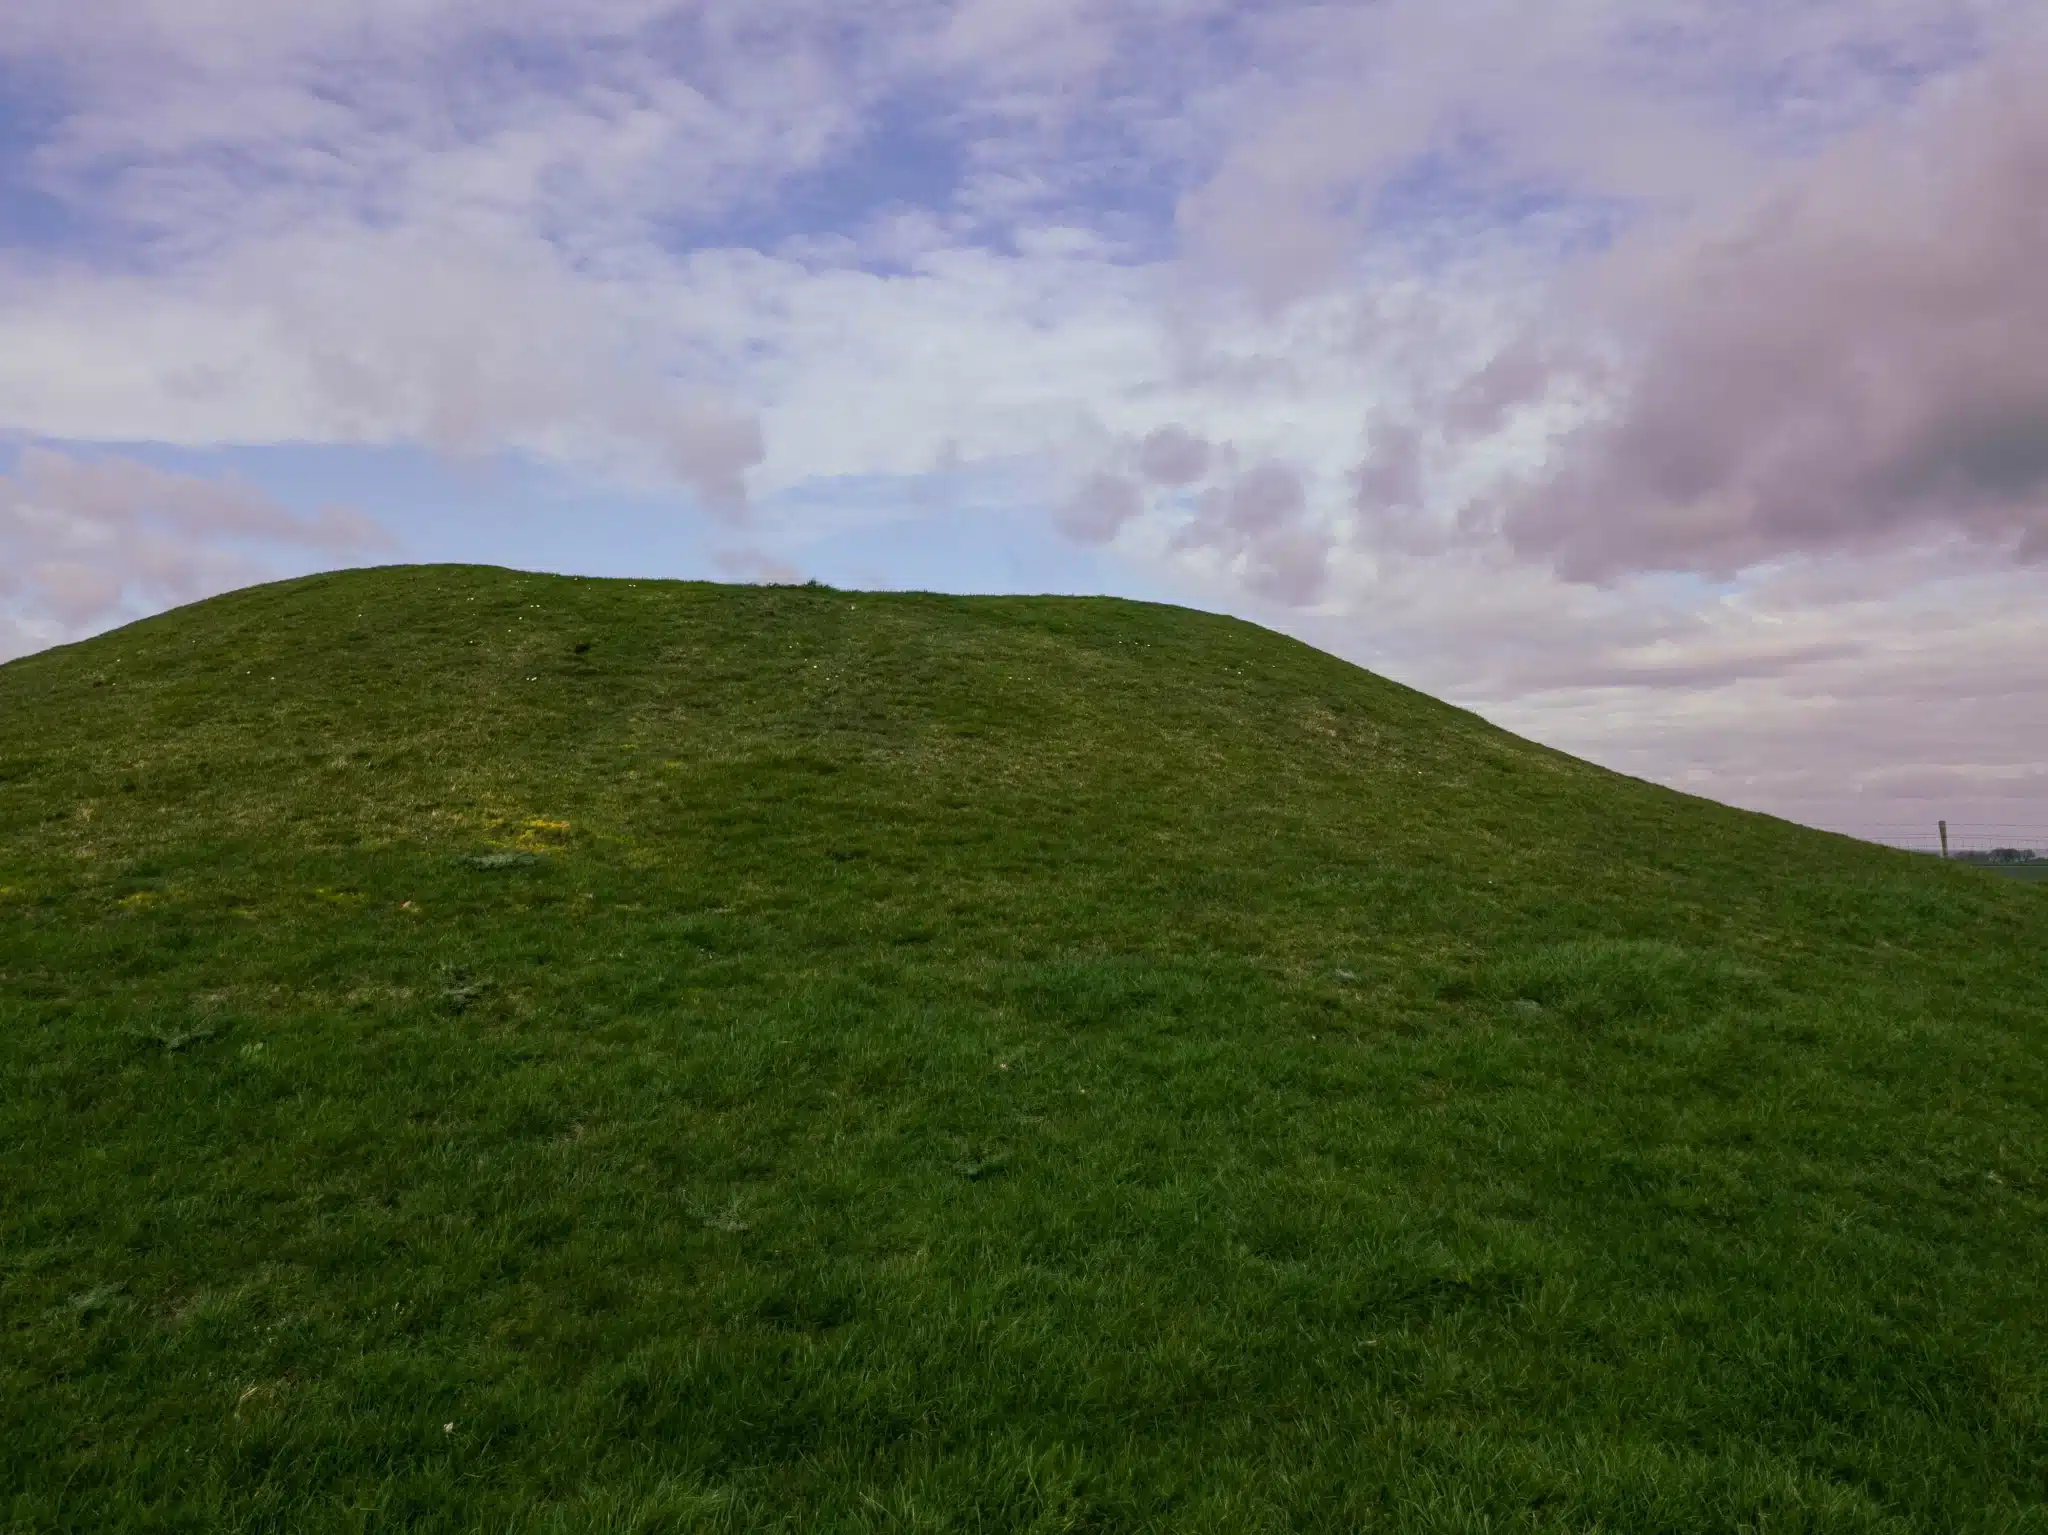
1665	379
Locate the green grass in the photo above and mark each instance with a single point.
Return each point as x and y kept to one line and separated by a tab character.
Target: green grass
496	1052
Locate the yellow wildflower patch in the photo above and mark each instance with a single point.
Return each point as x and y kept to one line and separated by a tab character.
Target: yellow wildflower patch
538	832
529	833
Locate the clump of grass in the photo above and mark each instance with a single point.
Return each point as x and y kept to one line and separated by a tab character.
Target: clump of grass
926	1063
176	1041
495	862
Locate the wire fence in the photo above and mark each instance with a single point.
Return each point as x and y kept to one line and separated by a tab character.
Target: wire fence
1963	836
2019	849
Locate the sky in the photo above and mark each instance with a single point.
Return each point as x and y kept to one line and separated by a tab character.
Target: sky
1665	380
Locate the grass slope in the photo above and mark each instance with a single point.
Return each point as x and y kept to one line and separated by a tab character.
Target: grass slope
489	1051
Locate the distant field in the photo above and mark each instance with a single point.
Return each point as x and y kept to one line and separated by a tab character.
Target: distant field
493	1052
2027	871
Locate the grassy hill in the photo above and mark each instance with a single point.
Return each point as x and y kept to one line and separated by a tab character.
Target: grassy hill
490	1051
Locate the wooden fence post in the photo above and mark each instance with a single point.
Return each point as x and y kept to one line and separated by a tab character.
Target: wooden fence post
1944	838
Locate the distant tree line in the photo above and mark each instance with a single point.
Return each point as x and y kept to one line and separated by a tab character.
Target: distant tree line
2003	855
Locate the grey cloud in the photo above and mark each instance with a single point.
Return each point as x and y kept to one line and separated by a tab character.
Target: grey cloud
711	449
1580	97
1860	359
76	594
1391	474
1173	457
1522	374
1290	565
1694	665
1258	520
1825	710
1108	499
1262	498
1389	491
84	542
1281	242
1099	507
49	492
1352	115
